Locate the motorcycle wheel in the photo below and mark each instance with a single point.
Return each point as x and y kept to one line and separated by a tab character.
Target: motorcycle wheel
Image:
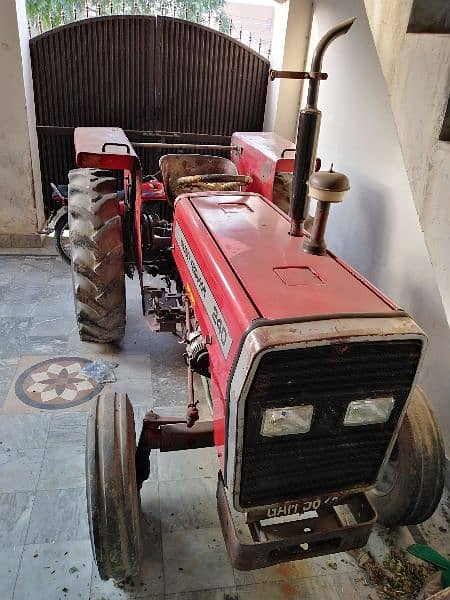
62	240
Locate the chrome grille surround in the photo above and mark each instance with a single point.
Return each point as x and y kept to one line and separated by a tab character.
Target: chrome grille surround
290	336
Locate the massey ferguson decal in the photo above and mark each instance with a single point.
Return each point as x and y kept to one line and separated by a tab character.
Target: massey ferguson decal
214	313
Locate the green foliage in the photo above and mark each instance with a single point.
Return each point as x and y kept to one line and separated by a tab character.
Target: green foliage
51	13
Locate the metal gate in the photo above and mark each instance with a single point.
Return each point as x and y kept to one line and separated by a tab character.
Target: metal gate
156	77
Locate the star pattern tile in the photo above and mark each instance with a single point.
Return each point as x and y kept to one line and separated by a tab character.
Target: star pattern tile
56	383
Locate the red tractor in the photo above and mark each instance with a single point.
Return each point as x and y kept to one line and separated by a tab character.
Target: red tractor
311	371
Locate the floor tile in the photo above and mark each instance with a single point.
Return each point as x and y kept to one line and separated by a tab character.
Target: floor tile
23	431
151	509
7	369
153	454
187	464
196	560
9	567
60	571
150	582
63	467
131	366
68	428
229	593
143	586
20	468
170	389
16	303
58	515
198	509
9	266
139	391
76	346
59	322
18	400
315	588
45	344
330	564
12	331
15	513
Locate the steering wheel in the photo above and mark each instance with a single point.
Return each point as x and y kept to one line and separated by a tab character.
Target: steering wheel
214	181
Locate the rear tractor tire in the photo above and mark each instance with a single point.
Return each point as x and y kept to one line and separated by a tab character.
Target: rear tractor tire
113	502
410	486
97	251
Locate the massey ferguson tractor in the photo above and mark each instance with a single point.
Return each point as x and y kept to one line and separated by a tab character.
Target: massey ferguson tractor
319	426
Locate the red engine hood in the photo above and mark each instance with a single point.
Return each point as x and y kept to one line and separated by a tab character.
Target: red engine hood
236	250
239	265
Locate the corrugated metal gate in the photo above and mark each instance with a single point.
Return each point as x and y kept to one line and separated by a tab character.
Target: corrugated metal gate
159	78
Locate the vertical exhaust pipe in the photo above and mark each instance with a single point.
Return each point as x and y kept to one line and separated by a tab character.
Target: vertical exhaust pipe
308	133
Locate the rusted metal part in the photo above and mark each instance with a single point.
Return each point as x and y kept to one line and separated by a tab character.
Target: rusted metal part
174	166
163	310
182	437
192	408
169	434
215	178
296	75
168	146
308	133
257	545
316	243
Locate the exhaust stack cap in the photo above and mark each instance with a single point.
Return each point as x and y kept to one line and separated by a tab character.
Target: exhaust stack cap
326	187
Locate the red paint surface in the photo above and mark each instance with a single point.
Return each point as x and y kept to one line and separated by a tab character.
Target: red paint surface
89	142
254	239
260	157
255	269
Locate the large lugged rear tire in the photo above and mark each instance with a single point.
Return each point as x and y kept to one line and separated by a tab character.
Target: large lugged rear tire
411	484
97	255
113	503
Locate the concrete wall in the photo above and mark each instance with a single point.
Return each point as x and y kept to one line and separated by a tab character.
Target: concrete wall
18	212
416	68
377	229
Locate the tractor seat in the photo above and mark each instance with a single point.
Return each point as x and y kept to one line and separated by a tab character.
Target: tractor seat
174	166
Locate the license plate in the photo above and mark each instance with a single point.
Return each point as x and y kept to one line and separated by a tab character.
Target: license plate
293	508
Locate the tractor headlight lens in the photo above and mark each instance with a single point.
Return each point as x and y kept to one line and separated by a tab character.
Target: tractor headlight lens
286	421
369	411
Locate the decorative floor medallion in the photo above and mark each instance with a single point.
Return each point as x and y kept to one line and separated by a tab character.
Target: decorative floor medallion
56	383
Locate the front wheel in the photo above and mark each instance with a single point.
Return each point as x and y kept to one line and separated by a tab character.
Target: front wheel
112	496
410	486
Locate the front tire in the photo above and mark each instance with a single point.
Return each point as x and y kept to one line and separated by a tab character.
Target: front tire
97	250
112	496
410	486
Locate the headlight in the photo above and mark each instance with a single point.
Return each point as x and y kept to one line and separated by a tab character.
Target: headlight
369	411
286	421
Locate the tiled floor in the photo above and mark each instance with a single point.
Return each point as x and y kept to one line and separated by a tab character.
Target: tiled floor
44	540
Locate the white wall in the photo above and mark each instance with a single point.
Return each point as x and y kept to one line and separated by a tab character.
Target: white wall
291	25
416	68
18	213
376	229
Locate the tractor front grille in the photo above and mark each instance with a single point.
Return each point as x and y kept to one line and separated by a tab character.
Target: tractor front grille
330	457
